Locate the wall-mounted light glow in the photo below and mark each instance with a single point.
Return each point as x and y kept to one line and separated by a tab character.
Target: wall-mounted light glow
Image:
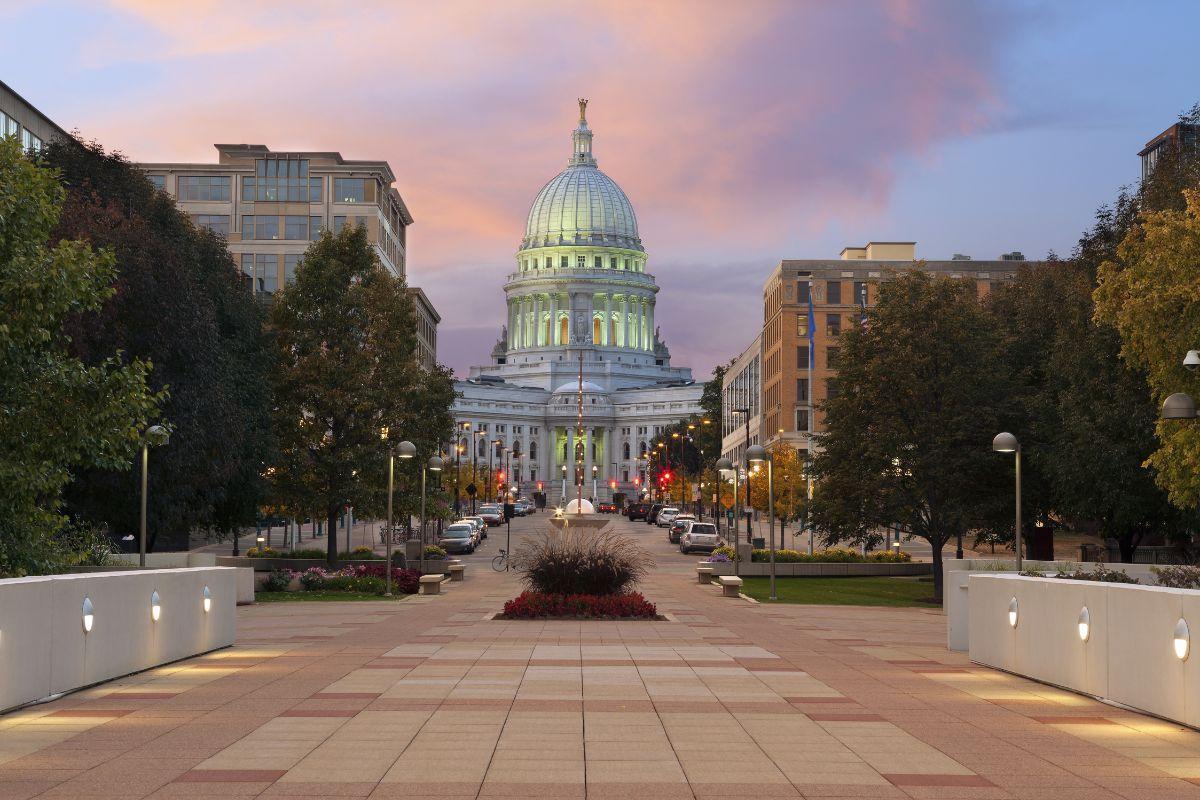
89	615
207	600
1012	613
155	606
1085	624
1183	640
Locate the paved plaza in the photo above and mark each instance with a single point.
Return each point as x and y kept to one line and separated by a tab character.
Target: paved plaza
431	697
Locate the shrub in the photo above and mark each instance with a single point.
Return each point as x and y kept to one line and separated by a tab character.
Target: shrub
718	558
352	583
262	552
723	550
433	552
405	581
313	578
573	563
1101	573
278	580
1178	576
308	553
533	605
834	555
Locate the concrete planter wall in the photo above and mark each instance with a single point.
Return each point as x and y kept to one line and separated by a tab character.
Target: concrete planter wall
1128	658
169	560
44	649
824	569
955	586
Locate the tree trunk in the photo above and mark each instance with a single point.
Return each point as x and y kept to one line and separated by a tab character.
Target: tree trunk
331	540
937	569
1127	547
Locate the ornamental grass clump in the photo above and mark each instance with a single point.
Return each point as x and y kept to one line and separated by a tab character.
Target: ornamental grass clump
1178	576
587	563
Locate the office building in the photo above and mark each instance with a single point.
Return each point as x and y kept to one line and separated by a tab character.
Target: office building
19	118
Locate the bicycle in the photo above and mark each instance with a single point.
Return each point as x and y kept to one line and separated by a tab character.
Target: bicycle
500	562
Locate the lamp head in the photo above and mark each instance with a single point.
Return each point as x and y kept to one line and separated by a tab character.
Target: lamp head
1192	360
724	464
1005	443
757	454
406	449
435	463
1179	406
157	435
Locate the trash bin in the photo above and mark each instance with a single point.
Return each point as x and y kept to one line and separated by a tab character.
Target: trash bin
759	543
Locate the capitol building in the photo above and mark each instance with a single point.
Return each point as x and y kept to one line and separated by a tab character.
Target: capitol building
580	301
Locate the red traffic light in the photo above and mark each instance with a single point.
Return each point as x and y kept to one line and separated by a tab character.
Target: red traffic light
539	486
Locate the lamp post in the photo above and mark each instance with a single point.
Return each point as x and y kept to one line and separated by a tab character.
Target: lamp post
595	471
474	482
725	465
154	436
405	449
1007	443
745	412
564	485
434	464
759	455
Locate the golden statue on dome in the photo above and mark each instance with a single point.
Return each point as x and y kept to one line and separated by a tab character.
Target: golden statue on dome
583	109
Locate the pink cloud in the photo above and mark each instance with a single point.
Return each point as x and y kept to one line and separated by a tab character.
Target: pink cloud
738	130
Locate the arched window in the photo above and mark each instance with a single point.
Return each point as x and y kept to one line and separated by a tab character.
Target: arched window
481	449
563	332
626	451
643	455
516	449
532	450
462	445
499	448
596	331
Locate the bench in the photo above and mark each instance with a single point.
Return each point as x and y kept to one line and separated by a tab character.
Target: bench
731	586
431	584
456	572
704	574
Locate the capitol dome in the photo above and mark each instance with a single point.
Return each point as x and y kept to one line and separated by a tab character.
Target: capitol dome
581	205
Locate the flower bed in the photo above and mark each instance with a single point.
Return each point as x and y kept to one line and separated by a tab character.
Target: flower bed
536	605
359	578
832	555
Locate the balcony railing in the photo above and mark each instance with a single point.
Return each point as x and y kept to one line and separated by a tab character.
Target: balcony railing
583	273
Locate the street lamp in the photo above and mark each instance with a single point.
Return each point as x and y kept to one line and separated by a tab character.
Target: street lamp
595	471
474	452
405	449
725	465
434	464
758	455
154	436
1007	443
563	502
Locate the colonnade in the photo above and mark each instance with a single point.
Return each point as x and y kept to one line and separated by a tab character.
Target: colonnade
537	320
601	438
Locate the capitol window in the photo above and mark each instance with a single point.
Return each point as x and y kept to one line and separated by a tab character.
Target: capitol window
599	262
614	261
581	261
564	262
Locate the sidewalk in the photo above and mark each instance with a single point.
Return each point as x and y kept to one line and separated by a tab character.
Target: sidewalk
430	697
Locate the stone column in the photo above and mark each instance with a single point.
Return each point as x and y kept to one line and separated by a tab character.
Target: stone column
553	319
650	324
608	320
537	321
510	324
587	461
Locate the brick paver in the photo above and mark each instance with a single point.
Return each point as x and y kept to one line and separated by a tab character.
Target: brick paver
430	697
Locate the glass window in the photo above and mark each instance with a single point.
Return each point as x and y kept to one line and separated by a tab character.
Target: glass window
204	187
314	228
282	180
349	190
248	269
804	291
290	262
159	181
627	263
581	261
831	389
801	419
295	227
802	357
315	187
802	390
338	224
217	223
833	292
248	189
614	262
599	261
266	272
564	262
833	324
8	125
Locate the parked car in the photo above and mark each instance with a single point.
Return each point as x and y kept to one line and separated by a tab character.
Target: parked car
606	508
699	536
520	508
652	514
637	511
492	514
476	525
458	538
678	526
664	518
479	523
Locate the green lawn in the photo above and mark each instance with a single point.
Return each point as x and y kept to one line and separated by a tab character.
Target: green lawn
297	597
877	591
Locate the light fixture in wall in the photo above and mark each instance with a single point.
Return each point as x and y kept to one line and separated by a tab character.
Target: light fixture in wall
155	606
1012	613
89	615
207	593
1085	624
1183	640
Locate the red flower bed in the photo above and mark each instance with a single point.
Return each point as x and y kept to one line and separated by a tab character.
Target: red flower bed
404	581
535	605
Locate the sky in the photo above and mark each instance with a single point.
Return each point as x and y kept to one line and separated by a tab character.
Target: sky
744	133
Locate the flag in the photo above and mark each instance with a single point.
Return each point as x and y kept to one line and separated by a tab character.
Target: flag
812	331
862	304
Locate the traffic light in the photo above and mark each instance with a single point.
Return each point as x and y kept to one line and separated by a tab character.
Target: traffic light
539	486
500	476
612	484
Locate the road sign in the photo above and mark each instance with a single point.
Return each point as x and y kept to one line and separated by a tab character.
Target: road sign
727	502
471	489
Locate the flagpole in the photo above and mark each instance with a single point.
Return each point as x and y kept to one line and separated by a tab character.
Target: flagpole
812	357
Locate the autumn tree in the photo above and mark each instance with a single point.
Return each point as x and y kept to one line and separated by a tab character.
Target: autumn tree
59	412
790	487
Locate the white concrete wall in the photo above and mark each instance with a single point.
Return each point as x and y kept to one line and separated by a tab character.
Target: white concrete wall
44	649
169	560
1128	658
955	587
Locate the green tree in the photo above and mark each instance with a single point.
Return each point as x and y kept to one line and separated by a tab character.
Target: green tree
182	305
790	487
907	436
346	368
58	412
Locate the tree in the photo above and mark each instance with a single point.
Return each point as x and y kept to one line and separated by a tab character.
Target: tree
907	436
58	412
1150	290
791	487
346	370
180	304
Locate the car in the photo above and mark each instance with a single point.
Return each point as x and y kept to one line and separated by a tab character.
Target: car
458	538
678	526
699	536
492	514
606	508
637	511
663	520
520	508
479	523
652	514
